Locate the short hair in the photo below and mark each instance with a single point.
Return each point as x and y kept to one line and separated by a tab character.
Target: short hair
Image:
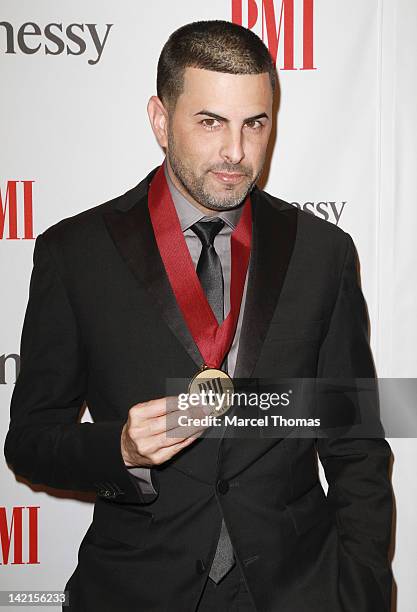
215	45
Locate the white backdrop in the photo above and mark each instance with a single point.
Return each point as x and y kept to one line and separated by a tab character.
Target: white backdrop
75	124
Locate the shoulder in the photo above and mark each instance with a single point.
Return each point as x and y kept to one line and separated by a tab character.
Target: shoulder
312	231
88	224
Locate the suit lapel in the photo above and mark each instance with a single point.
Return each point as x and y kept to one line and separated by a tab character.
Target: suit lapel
132	232
274	231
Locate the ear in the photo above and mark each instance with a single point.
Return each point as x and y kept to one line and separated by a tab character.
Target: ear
158	116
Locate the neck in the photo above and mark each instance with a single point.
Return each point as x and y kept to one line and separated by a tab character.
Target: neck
208	212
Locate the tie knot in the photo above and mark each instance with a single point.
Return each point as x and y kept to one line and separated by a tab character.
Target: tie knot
207	230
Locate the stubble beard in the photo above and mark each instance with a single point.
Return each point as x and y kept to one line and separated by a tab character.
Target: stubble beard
194	184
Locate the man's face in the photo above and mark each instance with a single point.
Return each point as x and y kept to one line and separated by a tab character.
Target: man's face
217	136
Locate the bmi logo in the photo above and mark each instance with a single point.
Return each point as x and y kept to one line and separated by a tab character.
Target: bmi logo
16	211
22	530
281	24
214	385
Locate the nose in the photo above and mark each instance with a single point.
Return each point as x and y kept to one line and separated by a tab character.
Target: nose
232	146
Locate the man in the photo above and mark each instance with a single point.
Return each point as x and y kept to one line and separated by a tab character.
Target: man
184	521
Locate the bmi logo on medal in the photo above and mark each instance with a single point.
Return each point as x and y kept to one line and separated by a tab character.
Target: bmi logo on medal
215	388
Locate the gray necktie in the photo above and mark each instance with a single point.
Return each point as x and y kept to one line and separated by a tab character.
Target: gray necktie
209	271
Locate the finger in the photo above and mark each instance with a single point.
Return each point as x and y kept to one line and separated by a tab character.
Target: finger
150	427
185	431
157	443
153	408
154	425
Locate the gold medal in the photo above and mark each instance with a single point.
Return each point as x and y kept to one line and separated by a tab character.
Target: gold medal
215	387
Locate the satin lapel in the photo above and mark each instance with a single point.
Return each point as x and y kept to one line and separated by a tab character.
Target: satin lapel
132	232
274	231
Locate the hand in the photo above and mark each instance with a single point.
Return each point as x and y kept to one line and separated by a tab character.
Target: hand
144	440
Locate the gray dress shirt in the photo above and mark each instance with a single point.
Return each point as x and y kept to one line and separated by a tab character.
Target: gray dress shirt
188	214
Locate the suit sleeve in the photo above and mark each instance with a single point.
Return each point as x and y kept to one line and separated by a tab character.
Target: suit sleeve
46	443
357	470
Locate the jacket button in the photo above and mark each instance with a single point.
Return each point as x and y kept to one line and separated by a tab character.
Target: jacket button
222	486
106	493
200	567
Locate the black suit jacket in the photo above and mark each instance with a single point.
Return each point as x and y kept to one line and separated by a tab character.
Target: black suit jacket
102	325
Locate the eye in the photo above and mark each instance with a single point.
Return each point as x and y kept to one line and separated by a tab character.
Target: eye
210	123
255	125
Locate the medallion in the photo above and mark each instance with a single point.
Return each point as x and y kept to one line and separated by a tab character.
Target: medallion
215	388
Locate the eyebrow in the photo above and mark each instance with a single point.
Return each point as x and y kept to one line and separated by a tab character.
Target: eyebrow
219	118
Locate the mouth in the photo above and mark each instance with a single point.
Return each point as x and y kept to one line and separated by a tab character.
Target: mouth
229	178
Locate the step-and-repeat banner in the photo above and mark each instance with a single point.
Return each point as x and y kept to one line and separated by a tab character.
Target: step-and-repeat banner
75	81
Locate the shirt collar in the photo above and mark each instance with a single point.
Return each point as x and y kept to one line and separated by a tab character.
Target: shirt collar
188	214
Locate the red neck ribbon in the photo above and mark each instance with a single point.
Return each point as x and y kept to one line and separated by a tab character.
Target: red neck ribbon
213	340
